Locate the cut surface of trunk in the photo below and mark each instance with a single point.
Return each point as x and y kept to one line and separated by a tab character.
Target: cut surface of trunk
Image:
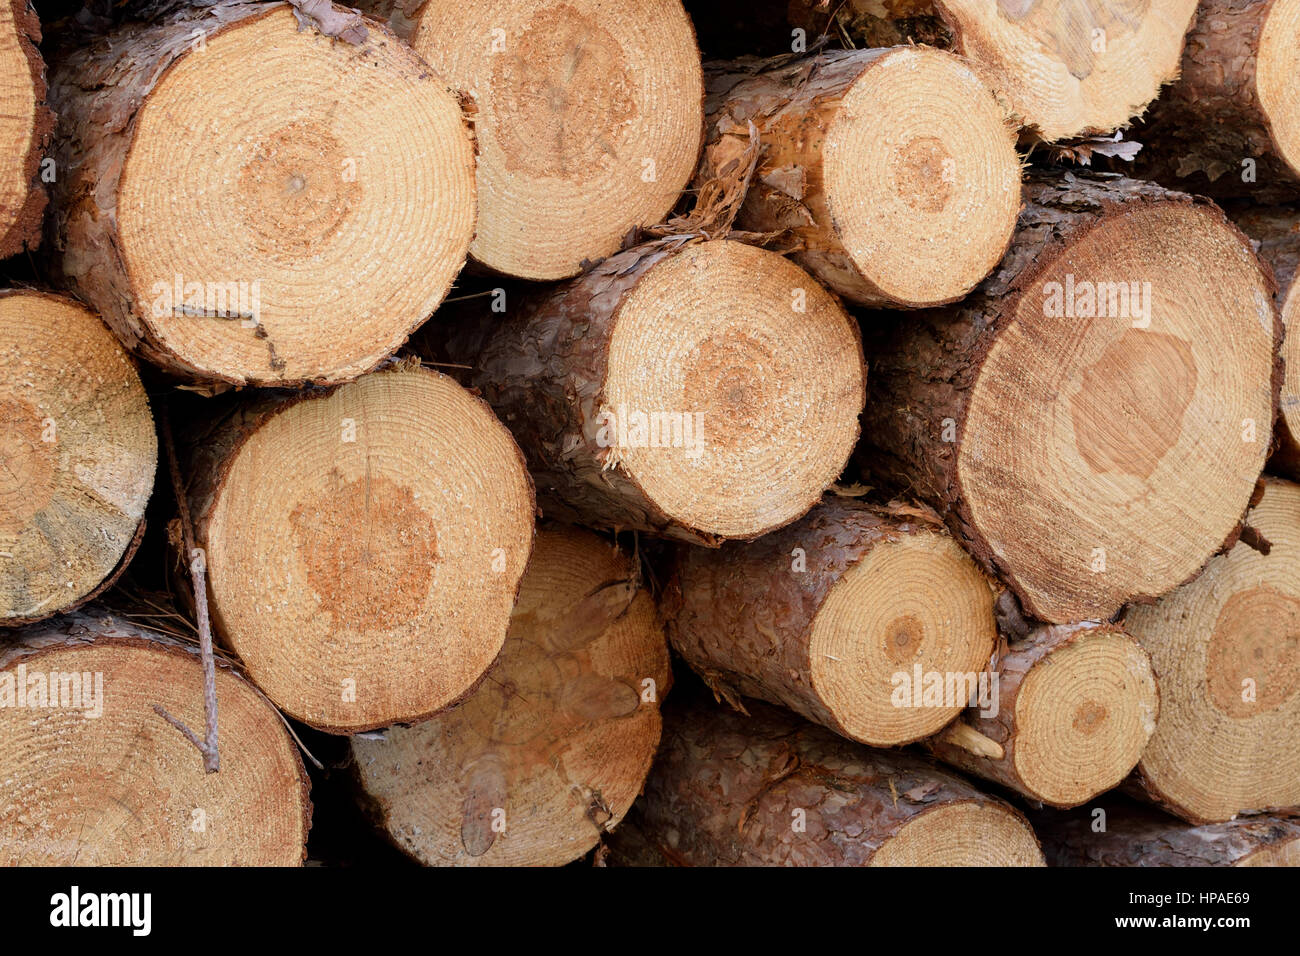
588	119
25	127
1230	126
1092	420
699	390
364	545
94	776
1074	708
896	169
1063	68
77	455
307	238
832	614
552	748
1226	652
772	790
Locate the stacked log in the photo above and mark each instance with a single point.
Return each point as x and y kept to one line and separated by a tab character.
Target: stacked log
25	127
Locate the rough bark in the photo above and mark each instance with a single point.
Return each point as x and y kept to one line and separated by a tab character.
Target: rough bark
25	129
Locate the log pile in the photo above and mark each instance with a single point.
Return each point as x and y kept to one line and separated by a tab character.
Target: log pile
436	386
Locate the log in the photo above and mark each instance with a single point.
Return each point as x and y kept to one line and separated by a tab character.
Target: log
826	615
894	169
1276	232
1091	421
1230	126
25	127
1137	835
588	120
1226	652
697	390
1063	69
77	456
771	790
363	545
94	776
550	751
234	225
1073	709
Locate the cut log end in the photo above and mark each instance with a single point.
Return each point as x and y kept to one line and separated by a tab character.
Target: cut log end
1092	403
371	581
974	833
1227	649
552	748
589	121
77	455
95	777
770	413
25	126
1277	81
921	176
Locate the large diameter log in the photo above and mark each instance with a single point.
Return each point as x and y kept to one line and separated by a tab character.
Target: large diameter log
831	615
25	127
77	456
699	390
1276	231
1125	833
550	751
363	545
1092	420
588	119
772	790
1230	126
1074	707
895	169
94	776
1063	68
1226	652
329	223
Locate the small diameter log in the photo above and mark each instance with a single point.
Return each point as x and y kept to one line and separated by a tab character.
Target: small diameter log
832	615
1091	421
1230	126
895	169
588	116
1073	709
698	390
25	127
246	201
552	748
94	776
771	790
1226	652
1276	231
363	545
1137	835
78	454
1063	69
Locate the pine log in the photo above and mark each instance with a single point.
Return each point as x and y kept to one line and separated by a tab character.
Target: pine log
1063	68
825	615
895	169
588	118
245	202
77	456
1074	707
1276	231
771	790
1091	421
1226	652
1230	126
698	390
552	748
25	127
94	776
363	545
1137	835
